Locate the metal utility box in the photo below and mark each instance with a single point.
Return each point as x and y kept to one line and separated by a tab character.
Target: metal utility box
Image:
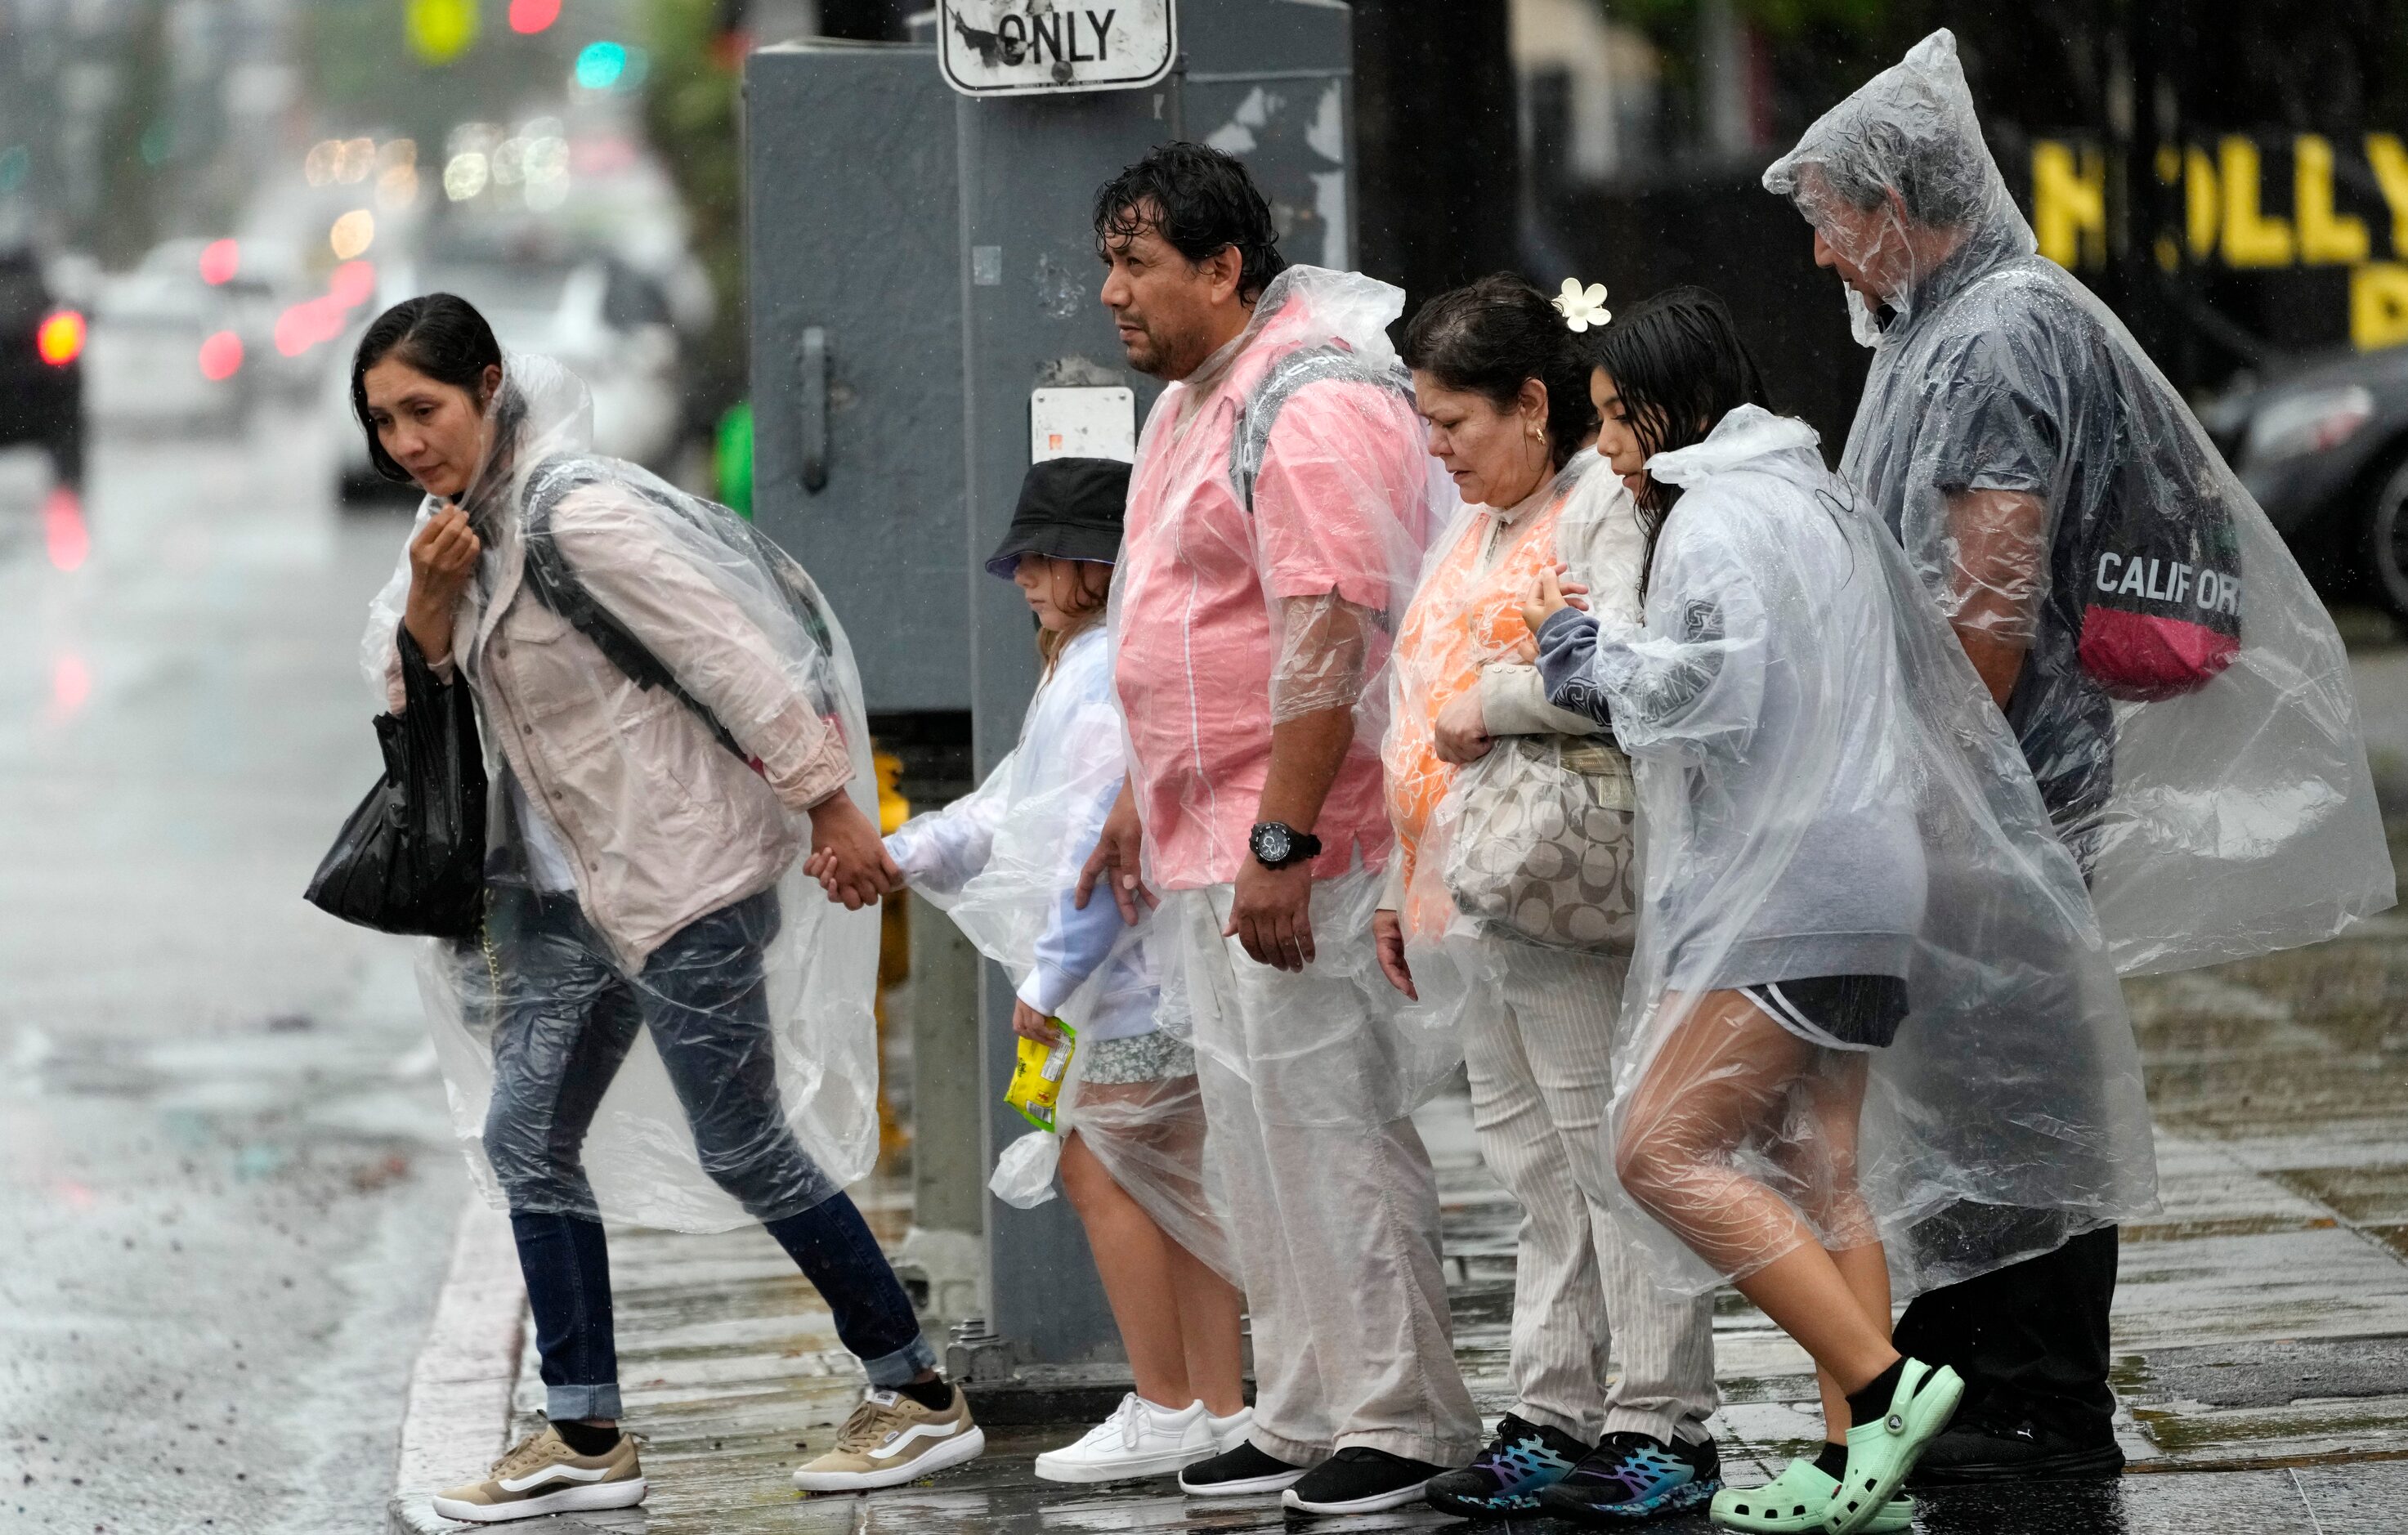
924	319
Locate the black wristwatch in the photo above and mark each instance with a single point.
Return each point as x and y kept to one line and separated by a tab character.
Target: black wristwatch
1277	844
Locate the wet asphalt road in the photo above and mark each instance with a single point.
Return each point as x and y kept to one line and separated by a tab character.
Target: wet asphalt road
225	1183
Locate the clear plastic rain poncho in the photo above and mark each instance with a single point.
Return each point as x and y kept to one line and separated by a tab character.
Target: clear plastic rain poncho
1533	842
665	1022
1003	861
2186	705
1824	791
1277	515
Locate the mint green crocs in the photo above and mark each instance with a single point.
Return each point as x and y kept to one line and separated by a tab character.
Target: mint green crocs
1796	1500
1881	1452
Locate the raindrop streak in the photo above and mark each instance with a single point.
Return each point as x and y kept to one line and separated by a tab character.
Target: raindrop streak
68	540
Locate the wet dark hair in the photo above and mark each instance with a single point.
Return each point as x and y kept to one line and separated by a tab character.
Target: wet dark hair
1201	202
1679	365
441	335
1493	336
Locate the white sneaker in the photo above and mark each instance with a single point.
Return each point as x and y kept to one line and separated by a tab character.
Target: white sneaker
1231	1431
1139	1438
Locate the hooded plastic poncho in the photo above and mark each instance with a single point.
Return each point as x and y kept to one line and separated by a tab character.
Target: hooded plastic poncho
2185	704
1824	790
1003	861
646	898
1277	516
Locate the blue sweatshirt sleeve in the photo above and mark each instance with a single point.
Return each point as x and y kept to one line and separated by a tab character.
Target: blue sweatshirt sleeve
1075	942
1566	643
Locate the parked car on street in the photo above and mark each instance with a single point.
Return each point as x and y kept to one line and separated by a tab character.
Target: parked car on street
609	323
2325	451
41	366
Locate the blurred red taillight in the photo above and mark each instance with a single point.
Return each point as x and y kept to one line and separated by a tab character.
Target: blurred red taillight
221	356
61	339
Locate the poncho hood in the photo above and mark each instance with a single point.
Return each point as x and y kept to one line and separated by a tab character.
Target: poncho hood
1898	180
1749	437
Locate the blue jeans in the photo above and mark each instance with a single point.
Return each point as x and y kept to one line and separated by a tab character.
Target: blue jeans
565	1018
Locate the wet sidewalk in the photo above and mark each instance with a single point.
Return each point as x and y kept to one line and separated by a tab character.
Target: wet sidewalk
2261	1323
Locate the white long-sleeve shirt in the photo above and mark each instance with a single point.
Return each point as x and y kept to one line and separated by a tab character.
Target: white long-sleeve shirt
1004	860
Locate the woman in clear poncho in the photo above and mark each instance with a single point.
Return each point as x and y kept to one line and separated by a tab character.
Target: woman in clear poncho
654	1026
1128	1139
1508	907
1868	985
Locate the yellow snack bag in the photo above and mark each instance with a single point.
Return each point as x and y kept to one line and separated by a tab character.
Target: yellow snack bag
1036	1076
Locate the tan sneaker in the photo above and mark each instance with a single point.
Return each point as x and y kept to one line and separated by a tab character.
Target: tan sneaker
890	1439
542	1475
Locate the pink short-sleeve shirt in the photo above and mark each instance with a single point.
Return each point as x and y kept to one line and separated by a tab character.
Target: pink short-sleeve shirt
1340	489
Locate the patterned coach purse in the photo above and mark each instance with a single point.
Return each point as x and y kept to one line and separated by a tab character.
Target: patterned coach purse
1543	842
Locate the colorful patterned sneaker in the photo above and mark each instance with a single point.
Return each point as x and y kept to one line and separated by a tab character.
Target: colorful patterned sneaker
890	1439
1882	1452
1794	1501
1506	1477
1633	1476
542	1475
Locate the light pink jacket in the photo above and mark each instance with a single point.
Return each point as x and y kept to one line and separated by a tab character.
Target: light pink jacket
661	823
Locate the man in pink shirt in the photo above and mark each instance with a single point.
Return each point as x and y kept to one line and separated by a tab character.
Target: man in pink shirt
1276	519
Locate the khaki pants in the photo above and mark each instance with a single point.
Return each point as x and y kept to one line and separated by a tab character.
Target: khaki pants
1538	1045
1332	1206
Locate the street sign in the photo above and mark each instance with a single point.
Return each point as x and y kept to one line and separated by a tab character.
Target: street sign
1018	48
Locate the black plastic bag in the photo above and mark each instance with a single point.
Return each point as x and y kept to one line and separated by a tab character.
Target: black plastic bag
411	858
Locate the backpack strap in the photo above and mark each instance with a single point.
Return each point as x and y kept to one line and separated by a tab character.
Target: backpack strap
1304	367
557	588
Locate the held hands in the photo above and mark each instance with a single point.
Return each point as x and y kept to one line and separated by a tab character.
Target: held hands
1116	861
1460	733
1029	1023
1388	937
1550	596
847	858
442	558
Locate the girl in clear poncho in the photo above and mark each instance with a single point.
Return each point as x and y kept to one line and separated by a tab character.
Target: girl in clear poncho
653	1026
1004	862
1869	985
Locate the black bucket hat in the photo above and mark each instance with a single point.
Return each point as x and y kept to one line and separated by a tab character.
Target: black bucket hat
1069	508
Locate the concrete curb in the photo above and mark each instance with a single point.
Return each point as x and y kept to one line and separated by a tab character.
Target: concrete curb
458	1417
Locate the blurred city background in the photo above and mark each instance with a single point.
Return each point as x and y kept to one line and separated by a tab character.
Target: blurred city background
228	1184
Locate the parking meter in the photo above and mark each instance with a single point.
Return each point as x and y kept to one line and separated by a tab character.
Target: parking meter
924	324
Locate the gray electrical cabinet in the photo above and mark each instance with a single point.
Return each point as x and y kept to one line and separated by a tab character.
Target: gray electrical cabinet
922	267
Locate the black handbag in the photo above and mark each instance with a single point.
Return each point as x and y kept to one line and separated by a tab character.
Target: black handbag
411	858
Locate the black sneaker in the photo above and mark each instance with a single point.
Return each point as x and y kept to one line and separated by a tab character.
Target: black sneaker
1236	1473
1633	1476
1507	1476
2003	1446
1357	1480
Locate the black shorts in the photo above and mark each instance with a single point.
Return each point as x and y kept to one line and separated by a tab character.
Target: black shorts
1838	1012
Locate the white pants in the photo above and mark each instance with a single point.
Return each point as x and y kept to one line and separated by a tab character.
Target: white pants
1333	1211
1537	1042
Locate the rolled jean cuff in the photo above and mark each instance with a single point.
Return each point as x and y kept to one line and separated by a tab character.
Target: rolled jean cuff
568	1404
900	1368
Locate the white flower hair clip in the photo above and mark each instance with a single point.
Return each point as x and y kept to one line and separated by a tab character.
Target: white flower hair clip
1582	307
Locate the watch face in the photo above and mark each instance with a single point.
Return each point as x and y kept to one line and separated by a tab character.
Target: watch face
1271	843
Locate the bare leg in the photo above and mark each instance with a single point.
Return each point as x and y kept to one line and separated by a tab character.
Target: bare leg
1209	1328
1726	1076
1133	1259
